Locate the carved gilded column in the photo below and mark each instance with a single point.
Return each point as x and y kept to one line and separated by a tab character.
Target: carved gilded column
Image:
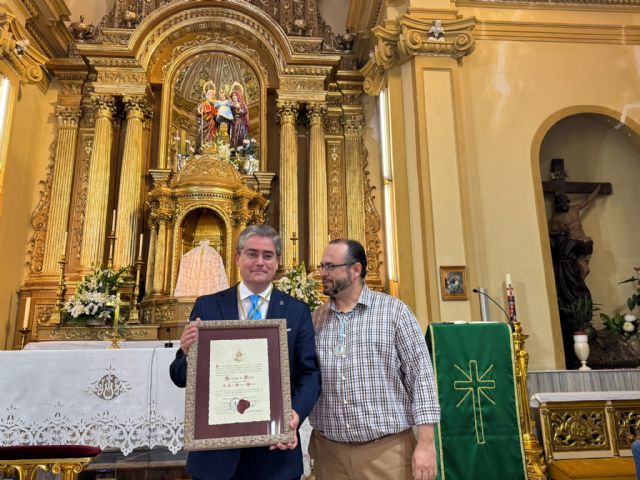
68	118
131	178
318	220
98	192
286	114
354	176
160	256
151	257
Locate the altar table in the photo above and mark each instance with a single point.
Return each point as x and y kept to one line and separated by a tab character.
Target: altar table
106	398
83	393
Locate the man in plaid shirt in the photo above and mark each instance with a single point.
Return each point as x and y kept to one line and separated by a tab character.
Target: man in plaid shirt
377	379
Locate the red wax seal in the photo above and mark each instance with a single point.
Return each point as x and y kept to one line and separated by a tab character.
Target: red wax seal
243	405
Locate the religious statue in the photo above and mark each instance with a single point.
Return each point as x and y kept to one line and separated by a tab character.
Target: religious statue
566	222
240	125
208	112
571	250
201	272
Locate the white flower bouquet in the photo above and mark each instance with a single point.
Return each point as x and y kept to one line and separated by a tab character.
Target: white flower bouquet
94	298
297	283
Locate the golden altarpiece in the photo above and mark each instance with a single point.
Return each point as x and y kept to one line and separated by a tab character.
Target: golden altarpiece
136	179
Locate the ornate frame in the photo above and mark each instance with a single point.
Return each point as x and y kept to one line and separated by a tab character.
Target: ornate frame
206	437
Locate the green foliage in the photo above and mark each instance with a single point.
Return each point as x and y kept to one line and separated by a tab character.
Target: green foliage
581	313
613	324
634	300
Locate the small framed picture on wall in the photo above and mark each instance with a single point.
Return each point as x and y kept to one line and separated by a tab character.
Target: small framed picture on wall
453	283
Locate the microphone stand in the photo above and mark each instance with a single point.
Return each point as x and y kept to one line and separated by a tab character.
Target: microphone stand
483	294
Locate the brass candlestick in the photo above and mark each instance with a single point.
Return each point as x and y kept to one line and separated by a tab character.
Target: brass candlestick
294	239
134	315
115	335
536	466
112	243
23	337
60	291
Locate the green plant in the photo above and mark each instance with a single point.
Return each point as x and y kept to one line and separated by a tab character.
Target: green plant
297	283
94	296
634	300
615	324
580	312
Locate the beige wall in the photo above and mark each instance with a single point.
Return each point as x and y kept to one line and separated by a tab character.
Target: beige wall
92	10
594	150
26	166
508	95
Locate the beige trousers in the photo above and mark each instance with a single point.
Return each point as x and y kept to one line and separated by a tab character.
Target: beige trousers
388	458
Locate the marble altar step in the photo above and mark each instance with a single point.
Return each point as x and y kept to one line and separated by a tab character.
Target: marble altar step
546	381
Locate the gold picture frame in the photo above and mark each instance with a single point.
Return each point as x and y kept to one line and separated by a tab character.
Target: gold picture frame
453	282
238	386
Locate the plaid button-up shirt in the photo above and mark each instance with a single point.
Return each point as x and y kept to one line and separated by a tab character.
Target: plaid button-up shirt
384	384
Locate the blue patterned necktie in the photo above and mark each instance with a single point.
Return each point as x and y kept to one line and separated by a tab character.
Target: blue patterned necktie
254	313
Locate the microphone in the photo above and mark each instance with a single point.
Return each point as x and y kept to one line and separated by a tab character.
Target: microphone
486	295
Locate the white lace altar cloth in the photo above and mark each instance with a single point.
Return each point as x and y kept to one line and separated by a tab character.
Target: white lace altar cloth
201	272
120	399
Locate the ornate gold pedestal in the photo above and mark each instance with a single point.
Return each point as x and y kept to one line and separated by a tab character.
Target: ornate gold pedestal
168	313
135	332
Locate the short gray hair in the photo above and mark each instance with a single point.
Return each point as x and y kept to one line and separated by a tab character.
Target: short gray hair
260	231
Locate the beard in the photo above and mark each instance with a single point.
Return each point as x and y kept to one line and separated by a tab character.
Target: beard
336	286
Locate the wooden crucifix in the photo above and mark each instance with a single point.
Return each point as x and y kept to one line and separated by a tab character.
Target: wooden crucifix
558	185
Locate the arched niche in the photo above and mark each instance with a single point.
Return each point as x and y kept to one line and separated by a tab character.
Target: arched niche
174	34
203	224
597	147
199	219
195	70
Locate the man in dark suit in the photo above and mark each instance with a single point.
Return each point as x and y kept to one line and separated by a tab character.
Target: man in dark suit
257	258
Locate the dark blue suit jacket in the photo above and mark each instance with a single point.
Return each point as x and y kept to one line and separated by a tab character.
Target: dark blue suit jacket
260	462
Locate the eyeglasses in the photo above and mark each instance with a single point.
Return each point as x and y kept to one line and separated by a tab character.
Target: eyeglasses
255	254
330	267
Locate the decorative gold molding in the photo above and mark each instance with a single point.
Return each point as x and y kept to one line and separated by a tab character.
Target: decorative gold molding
118	77
40	217
81	201
557	32
408	36
335	180
597	5
373	224
16	50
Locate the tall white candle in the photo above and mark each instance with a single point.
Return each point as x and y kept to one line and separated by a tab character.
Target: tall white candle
116	314
113	221
27	311
507	279
64	243
140	245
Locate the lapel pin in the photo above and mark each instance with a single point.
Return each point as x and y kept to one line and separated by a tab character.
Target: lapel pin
281	302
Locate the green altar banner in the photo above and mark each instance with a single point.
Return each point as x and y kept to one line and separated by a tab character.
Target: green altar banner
479	433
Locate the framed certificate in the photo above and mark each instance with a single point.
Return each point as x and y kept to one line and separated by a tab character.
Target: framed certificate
238	386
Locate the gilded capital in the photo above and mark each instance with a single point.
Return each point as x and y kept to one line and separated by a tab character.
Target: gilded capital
353	124
408	36
286	112
16	50
68	117
316	112
136	106
104	105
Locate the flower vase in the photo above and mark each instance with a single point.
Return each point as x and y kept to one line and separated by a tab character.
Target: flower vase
96	322
581	349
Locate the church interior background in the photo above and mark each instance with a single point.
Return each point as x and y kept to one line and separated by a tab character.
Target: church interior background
422	128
